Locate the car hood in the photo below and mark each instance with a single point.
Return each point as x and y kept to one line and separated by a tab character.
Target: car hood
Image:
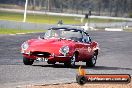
48	45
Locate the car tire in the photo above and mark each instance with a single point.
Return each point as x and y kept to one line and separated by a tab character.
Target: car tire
27	61
71	62
92	61
51	62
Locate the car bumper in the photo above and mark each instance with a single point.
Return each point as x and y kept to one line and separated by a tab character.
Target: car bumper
57	58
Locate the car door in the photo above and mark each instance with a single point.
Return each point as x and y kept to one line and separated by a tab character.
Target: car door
80	49
87	51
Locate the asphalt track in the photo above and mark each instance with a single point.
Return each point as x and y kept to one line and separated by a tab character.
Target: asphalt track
115	56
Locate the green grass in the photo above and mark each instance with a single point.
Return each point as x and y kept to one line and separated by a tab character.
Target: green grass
35	18
15	31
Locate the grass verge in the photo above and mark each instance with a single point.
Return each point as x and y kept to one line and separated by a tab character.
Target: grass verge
35	18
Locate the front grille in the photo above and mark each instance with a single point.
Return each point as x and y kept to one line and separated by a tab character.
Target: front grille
41	54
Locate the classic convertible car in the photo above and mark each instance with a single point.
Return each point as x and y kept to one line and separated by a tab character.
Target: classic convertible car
61	44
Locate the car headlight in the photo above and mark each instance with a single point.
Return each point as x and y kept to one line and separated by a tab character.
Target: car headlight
64	50
24	46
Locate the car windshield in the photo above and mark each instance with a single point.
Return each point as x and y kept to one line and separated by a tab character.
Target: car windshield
63	33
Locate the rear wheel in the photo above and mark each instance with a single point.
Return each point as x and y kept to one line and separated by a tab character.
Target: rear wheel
92	61
71	62
27	61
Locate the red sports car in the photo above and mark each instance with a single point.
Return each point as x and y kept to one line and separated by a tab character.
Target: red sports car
61	44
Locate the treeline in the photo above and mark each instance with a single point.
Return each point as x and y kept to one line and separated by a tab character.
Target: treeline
97	7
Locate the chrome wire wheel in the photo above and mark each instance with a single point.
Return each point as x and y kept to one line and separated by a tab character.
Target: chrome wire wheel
72	60
92	61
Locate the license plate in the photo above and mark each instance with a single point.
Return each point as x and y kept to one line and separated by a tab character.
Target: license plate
42	59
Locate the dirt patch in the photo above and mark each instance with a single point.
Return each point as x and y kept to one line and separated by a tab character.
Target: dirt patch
92	85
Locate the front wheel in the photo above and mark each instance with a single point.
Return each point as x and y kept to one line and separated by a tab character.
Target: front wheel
92	61
27	61
71	62
51	62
